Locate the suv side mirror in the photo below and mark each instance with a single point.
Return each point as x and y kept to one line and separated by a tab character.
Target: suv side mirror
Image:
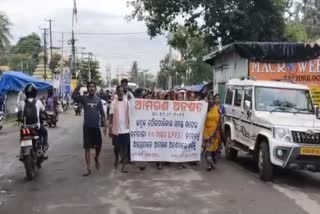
316	111
247	105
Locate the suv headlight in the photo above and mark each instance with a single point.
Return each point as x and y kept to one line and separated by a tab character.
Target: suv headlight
282	134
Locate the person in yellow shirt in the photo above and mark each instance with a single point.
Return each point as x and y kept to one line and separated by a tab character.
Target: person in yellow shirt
212	132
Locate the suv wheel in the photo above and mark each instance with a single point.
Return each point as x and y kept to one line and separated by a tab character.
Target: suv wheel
231	153
266	169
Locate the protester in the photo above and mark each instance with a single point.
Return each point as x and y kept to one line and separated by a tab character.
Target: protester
172	95
93	110
119	128
180	97
127	94
211	133
192	96
162	96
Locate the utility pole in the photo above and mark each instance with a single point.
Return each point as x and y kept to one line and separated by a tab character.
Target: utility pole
45	59
73	49
62	44
50	34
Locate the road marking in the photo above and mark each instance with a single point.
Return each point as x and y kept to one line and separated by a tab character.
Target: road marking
300	198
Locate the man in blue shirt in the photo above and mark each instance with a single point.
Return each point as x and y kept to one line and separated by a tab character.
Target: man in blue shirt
93	111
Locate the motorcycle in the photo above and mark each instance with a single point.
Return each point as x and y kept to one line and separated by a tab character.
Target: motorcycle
77	109
1	119
51	118
65	105
31	151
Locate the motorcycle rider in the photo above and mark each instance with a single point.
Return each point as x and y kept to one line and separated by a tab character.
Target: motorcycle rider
29	112
52	102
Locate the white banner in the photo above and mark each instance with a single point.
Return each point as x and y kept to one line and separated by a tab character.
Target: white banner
169	131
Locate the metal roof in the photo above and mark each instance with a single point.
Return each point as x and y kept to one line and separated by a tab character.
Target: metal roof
268	51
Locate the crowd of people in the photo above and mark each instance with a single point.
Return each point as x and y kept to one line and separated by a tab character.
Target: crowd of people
118	116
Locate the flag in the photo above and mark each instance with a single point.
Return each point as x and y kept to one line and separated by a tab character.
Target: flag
75	11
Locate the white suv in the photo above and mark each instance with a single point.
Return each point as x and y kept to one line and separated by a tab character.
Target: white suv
275	122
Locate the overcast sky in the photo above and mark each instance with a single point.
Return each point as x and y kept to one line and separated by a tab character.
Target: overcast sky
94	16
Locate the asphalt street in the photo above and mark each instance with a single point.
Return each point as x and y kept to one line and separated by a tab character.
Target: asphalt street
233	188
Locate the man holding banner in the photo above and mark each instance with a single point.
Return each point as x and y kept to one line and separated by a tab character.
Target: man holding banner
119	129
166	131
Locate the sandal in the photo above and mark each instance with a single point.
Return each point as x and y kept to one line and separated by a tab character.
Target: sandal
123	170
87	174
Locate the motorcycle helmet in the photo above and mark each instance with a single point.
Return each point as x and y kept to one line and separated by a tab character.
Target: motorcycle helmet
31	90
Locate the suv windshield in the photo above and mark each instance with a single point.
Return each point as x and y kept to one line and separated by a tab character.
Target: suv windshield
283	100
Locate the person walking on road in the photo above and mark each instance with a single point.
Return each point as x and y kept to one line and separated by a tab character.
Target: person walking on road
119	129
211	133
93	110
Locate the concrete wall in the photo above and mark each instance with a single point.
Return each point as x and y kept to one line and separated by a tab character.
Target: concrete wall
229	66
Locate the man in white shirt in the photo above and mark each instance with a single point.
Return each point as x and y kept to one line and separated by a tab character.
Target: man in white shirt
127	95
119	129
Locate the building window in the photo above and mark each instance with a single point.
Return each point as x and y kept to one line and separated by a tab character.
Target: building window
229	97
238	97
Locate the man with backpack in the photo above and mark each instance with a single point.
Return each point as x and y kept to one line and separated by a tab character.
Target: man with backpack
29	112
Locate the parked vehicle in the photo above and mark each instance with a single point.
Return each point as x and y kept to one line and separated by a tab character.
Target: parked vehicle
275	122
31	151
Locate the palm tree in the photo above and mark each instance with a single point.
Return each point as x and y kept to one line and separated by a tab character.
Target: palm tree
4	31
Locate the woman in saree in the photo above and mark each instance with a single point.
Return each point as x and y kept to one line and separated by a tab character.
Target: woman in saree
211	133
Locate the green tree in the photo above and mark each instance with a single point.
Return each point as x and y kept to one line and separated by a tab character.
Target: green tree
114	82
223	20
94	70
134	72
55	62
145	79
169	68
311	18
4	31
192	47
295	32
29	47
21	62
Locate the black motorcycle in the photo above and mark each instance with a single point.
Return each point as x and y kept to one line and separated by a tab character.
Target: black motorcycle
51	118
31	151
77	108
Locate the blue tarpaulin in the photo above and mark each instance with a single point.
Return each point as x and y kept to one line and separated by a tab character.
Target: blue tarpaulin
195	88
16	81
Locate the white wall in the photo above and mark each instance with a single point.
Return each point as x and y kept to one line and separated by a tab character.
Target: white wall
229	66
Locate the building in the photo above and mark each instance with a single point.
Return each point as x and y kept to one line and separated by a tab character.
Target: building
297	62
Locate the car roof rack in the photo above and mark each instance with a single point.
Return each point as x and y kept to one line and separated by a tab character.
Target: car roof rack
282	80
247	78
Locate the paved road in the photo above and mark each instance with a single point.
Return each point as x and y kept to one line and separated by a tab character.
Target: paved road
233	188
